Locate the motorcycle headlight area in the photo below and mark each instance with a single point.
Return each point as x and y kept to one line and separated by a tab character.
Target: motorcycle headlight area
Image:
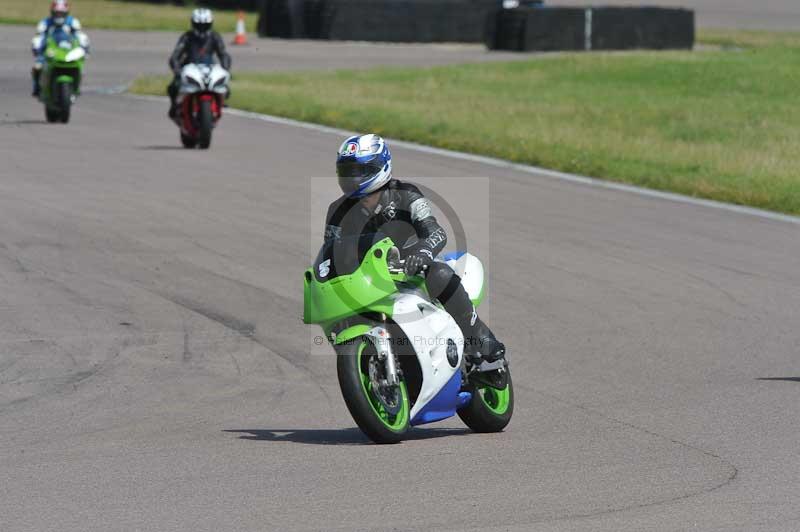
75	54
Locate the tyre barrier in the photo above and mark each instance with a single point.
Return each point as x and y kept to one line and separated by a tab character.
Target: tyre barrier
381	20
604	28
243	5
524	25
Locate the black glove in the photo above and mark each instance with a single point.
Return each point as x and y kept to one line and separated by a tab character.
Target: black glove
418	262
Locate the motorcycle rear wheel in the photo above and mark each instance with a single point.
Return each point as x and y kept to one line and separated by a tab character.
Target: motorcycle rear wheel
352	367
490	409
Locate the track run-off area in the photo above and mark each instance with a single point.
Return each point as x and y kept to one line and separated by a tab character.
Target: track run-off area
155	373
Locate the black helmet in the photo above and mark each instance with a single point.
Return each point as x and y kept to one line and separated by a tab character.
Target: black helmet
202	20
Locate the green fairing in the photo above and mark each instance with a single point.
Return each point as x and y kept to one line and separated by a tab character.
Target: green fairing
368	288
56	58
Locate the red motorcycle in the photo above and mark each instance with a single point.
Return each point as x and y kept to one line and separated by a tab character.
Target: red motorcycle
200	99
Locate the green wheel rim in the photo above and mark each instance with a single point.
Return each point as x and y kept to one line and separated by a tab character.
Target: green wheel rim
395	422
495	400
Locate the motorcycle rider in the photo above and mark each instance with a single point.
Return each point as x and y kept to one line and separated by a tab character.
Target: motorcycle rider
199	45
373	201
59	21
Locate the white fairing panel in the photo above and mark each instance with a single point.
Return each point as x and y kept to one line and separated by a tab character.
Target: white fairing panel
75	55
218	79
199	77
470	269
191	79
428	328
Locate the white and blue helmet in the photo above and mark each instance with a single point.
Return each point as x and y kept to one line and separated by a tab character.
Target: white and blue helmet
364	165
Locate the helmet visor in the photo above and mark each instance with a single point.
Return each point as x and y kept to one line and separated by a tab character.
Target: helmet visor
352	175
201	27
351	169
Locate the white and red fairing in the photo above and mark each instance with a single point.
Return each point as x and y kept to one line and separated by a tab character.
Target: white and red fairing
201	83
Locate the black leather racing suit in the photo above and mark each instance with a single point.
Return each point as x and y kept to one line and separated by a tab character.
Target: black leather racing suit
404	214
193	48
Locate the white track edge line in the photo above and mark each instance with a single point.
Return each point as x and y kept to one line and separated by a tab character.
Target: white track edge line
500	163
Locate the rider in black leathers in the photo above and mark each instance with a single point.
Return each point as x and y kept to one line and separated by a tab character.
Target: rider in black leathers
400	211
199	45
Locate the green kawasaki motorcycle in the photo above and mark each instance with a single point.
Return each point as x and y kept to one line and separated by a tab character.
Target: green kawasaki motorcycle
61	76
400	355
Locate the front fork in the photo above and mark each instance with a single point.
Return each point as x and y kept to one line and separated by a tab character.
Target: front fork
383	344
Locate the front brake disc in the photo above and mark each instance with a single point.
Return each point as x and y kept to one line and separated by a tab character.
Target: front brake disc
387	395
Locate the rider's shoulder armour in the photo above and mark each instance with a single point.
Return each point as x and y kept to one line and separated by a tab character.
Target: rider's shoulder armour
409	198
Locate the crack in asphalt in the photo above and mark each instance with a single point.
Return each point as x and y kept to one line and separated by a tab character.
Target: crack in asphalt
244	329
733	471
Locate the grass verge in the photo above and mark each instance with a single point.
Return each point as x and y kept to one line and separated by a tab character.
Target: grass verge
723	125
120	15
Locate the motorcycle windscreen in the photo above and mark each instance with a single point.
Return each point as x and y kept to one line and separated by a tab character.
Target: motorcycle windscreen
62	39
348	279
343	256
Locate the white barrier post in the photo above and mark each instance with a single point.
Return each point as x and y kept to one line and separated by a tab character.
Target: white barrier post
588	29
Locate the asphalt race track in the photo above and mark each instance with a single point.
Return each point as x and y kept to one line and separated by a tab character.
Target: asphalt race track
155	374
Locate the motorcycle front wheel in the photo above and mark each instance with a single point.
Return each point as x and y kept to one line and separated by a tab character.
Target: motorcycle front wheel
205	121
64	100
52	115
383	415
188	142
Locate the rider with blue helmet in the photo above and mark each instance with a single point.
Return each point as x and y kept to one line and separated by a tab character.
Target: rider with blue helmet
375	202
59	21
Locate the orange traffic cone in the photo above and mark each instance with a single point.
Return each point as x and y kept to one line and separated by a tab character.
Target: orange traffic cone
241	34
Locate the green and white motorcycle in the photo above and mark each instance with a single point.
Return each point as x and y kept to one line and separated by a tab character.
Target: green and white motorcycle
61	75
400	355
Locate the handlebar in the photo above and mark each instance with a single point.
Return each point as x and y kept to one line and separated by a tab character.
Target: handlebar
396	264
399	268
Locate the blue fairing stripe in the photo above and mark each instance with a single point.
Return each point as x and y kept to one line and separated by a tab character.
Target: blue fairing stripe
443	405
454	255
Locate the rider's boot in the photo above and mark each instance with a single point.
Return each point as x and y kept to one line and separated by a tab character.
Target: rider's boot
480	343
35	73
172	92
